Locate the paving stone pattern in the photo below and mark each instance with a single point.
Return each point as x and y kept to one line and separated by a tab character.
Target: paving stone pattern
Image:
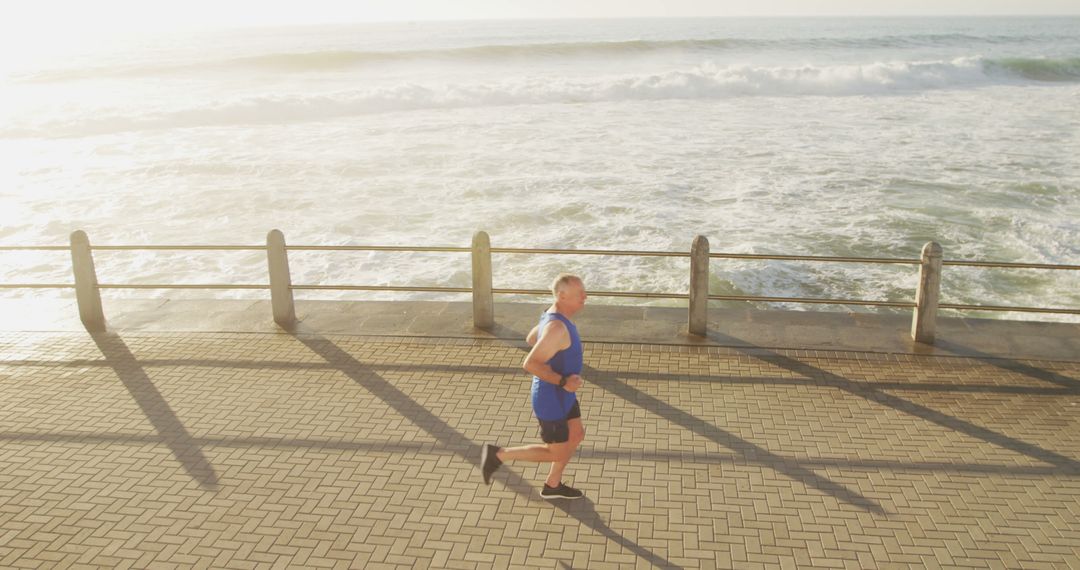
252	450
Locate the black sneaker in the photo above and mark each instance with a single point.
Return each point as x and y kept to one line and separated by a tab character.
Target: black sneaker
489	461
560	492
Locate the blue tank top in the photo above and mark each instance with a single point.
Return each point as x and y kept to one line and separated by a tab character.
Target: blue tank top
550	402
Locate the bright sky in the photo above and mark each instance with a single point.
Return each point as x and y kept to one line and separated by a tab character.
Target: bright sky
35	19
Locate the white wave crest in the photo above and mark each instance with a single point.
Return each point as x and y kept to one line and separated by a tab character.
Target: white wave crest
704	82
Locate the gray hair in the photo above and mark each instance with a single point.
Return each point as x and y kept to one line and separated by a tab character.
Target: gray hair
562	281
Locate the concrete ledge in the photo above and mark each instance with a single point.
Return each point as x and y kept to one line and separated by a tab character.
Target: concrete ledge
810	330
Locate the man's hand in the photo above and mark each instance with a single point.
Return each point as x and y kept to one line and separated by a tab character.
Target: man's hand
574	383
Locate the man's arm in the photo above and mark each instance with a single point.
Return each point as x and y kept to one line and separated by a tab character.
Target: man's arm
554	339
533	335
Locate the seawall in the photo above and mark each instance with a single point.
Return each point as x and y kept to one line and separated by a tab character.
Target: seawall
741	328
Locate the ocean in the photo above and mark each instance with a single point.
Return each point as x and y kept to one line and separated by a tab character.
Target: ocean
831	137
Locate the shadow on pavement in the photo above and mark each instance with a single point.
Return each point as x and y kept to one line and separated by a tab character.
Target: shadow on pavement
876	395
751	452
1011	365
585	511
450	438
172	431
611	383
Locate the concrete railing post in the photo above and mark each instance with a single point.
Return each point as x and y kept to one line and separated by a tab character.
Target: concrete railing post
699	286
86	284
281	298
483	301
924	321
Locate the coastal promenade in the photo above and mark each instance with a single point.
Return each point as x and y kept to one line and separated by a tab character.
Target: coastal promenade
199	434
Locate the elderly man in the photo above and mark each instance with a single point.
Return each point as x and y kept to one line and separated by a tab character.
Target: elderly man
555	362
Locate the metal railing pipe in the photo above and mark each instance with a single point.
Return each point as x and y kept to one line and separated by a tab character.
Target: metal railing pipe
1051	310
779	257
613	252
1006	265
629	294
181	286
35	248
381	288
179	247
36	285
812	300
440	249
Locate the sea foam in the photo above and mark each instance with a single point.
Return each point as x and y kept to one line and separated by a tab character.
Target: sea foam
707	81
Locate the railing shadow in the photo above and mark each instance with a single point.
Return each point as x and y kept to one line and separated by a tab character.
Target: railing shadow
502	332
873	394
611	383
1010	365
233	442
448	437
966	388
156	409
187	449
601	454
754	453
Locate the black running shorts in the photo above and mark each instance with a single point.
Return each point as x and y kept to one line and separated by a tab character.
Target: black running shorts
558	431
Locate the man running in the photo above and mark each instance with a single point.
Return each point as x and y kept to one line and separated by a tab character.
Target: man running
555	362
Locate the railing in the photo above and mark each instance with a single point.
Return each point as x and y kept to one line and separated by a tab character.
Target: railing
926	303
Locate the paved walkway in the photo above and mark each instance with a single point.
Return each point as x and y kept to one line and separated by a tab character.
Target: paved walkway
235	450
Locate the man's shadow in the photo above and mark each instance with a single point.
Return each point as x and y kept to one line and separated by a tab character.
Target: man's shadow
611	383
453	440
584	510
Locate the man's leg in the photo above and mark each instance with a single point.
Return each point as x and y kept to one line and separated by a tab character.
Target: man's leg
556	448
565	452
557	436
539	453
561	439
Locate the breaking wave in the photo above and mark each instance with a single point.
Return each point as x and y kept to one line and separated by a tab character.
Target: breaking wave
337	60
1038	69
704	82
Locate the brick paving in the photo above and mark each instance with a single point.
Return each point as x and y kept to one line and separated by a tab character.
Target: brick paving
231	450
